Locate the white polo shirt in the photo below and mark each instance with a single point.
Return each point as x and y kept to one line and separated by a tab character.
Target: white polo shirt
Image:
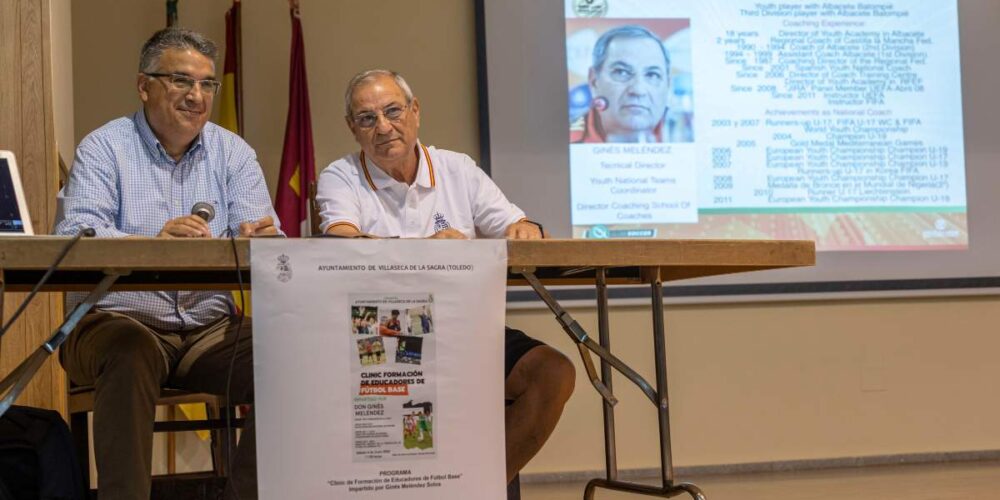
450	191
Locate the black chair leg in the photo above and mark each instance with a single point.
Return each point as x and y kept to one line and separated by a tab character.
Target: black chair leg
81	441
514	488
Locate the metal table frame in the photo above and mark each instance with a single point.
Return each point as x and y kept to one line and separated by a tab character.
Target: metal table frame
184	264
658	397
15	382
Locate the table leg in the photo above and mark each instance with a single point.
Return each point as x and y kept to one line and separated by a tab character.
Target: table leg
610	451
668	488
663	403
658	397
15	382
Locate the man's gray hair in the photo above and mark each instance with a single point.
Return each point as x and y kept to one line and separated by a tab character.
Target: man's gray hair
174	38
367	76
627	31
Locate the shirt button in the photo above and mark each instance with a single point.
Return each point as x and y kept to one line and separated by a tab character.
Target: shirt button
181	309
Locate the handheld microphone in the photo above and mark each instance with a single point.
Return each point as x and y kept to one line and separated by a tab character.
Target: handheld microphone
204	210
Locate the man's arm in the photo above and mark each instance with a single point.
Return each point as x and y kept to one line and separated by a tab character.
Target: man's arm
91	197
343	229
250	209
493	214
388	332
339	207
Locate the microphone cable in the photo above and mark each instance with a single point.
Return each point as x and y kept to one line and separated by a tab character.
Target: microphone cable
232	361
87	231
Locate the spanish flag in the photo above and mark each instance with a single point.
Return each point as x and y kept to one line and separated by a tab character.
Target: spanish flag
298	168
231	98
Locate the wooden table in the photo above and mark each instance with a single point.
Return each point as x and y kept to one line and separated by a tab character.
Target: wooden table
186	264
166	264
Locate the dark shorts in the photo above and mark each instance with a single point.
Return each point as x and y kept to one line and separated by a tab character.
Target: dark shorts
516	345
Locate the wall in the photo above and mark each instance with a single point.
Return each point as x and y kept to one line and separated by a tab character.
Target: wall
790	381
341	39
62	77
749	383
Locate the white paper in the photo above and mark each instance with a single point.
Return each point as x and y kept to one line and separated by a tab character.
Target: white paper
353	401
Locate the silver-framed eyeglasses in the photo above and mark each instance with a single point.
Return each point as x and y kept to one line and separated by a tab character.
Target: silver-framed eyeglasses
184	83
623	73
392	113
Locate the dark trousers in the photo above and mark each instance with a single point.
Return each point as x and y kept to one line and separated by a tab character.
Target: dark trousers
128	362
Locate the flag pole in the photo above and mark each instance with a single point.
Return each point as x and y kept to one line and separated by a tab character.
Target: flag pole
171	12
238	29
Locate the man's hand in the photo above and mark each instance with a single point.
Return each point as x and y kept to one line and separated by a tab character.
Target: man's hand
189	226
523	230
344	229
448	234
262	227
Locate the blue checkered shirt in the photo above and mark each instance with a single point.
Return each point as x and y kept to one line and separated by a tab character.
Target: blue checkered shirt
124	183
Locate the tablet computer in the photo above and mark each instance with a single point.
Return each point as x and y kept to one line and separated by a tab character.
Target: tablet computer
14	218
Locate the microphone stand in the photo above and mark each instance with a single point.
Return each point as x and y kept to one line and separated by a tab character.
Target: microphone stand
15	382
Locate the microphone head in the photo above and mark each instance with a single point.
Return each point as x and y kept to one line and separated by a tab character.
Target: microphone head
88	232
204	210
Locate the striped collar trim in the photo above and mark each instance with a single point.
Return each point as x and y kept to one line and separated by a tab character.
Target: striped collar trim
432	182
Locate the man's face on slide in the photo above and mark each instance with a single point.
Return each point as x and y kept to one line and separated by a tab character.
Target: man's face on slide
636	83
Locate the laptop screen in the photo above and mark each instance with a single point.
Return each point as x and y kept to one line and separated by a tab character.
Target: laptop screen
11	219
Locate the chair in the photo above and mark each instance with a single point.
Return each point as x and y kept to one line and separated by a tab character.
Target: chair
81	402
314	218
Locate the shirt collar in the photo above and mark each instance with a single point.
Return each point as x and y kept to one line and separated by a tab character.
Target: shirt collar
378	179
594	131
152	143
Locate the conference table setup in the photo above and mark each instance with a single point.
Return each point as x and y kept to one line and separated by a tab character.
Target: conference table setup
98	265
737	239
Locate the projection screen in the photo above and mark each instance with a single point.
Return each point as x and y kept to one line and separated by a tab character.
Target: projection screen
866	126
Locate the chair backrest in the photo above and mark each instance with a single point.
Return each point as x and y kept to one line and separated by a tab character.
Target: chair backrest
313	210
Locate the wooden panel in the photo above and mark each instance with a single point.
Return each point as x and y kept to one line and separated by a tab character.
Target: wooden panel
31	160
12	345
26	127
10	89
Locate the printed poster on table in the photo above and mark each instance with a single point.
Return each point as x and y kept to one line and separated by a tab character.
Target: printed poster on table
371	368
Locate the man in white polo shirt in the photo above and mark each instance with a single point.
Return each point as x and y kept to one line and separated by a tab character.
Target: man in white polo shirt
398	187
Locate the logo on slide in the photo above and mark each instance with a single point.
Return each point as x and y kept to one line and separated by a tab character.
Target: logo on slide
942	229
590	8
598	232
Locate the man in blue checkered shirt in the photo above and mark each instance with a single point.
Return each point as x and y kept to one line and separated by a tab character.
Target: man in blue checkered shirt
140	176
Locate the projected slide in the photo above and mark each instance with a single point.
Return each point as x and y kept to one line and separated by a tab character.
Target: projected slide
835	121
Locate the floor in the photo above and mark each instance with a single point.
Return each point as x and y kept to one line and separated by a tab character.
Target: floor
975	480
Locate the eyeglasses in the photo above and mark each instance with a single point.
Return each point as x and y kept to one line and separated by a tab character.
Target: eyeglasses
184	83
393	113
623	73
